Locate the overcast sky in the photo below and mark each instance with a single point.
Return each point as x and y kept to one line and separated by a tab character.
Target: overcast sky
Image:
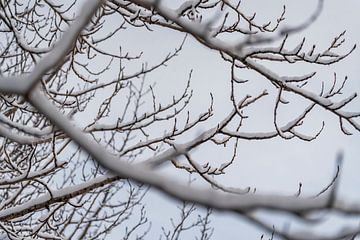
270	166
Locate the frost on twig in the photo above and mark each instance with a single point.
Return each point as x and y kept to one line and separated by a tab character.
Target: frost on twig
53	189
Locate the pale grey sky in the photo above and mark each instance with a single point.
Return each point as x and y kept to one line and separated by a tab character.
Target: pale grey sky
274	166
270	166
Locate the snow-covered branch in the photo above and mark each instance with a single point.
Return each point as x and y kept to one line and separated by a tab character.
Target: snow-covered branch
77	126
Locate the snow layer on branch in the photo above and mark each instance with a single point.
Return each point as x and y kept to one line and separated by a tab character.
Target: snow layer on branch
56	196
24	83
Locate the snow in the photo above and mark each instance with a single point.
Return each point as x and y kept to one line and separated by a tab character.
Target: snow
24	83
144	172
56	196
